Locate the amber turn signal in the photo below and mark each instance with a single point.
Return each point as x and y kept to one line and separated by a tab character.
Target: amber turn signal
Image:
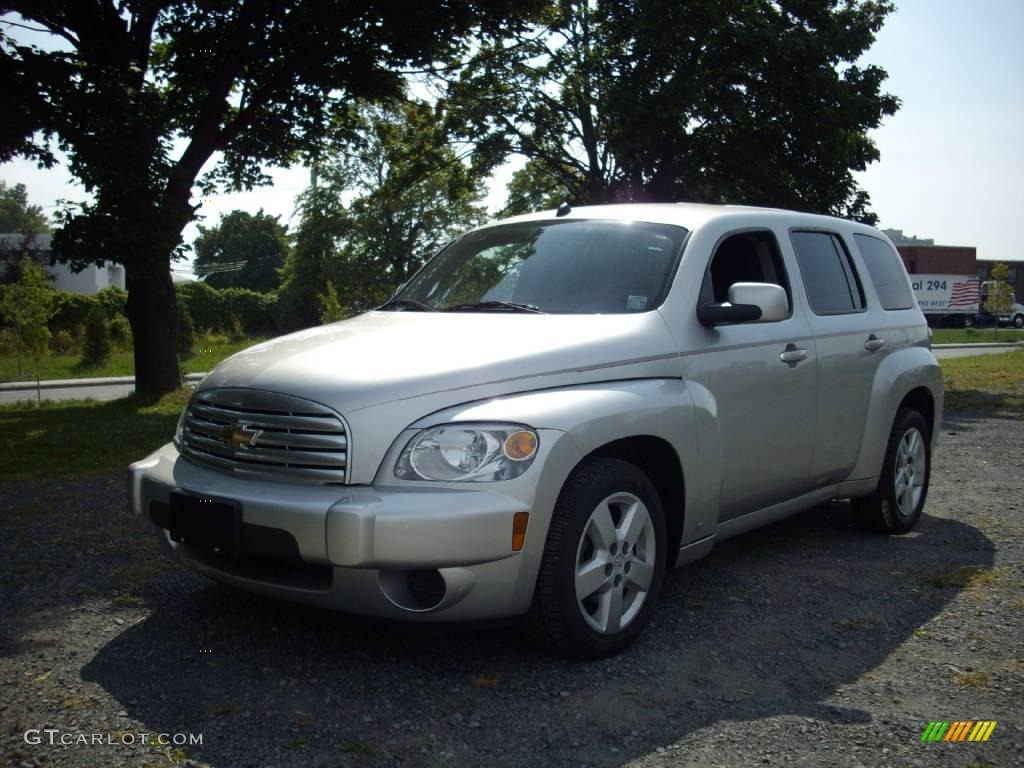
520	445
519	523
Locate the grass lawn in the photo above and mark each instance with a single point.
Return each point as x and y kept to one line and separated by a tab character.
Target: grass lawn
81	437
207	355
976	336
985	381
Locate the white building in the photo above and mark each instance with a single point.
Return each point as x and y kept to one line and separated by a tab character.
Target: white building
90	280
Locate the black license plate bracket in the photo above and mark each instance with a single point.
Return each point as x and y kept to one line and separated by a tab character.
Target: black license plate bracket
207	523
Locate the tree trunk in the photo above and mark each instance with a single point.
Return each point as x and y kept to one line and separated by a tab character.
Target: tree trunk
153	314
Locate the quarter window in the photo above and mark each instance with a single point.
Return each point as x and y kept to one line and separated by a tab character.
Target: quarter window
831	284
886	273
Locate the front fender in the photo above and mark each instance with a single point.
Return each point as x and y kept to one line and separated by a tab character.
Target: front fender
593	415
898	374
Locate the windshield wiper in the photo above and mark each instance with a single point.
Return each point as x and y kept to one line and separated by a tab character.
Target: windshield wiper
407	305
500	306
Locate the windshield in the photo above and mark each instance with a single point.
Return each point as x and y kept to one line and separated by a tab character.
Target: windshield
570	267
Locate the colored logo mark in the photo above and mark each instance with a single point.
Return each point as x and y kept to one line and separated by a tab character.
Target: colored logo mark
959	730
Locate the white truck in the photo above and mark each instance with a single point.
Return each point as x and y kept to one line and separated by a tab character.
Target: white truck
948	300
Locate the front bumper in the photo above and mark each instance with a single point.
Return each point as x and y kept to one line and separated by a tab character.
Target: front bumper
365	549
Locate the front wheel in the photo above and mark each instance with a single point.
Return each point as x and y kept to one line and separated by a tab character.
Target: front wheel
1018	321
896	504
603	564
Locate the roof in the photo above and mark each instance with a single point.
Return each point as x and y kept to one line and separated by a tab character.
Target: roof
688	215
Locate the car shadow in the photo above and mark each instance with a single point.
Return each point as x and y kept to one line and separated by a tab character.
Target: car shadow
771	623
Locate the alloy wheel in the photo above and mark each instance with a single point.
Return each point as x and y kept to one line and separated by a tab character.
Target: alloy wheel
615	563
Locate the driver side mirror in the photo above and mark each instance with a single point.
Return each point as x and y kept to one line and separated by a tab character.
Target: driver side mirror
748	302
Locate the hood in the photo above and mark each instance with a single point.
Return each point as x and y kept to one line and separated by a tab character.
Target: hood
380	357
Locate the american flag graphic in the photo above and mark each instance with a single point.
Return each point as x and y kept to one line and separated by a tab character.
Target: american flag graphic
964	293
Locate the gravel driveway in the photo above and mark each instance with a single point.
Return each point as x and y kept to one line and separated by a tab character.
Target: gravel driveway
806	643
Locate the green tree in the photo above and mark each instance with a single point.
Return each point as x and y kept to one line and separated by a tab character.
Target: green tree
17	214
321	226
242	251
18	217
141	95
412	194
331	308
26	307
96	349
999	297
741	101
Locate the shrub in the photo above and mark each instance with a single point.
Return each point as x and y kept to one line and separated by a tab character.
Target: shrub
186	333
212	309
63	343
235	329
8	341
205	304
331	308
114	301
70	310
96	350
120	332
254	310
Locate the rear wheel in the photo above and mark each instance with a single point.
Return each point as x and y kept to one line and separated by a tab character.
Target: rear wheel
603	564
896	504
1018	321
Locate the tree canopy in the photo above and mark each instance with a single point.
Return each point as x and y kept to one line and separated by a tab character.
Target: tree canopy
242	251
142	95
409	193
25	307
17	215
742	101
21	218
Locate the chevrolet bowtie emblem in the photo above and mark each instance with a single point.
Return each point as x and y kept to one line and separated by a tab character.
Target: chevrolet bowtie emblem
240	437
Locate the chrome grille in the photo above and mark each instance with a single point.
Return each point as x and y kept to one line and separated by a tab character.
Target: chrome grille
291	438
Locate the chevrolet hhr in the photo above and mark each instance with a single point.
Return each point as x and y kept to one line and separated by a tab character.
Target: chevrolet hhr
553	412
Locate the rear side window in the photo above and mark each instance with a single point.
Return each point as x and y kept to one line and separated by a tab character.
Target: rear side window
886	272
832	286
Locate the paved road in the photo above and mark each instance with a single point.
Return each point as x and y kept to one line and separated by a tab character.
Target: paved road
105	392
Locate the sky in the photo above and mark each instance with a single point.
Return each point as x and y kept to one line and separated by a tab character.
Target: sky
952	157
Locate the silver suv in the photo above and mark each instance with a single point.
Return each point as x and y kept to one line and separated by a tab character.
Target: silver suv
554	411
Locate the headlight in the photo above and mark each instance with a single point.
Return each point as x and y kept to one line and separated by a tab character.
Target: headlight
179	430
468	453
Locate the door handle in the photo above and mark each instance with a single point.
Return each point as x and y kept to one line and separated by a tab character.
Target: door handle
793	355
873	344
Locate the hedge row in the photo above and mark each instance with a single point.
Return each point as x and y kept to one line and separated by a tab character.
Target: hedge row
231	310
213	309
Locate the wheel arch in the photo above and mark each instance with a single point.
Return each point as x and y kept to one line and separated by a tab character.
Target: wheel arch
912	376
656	458
922	401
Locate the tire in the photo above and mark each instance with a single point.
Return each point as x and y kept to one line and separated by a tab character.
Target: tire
1018	321
574	614
896	504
